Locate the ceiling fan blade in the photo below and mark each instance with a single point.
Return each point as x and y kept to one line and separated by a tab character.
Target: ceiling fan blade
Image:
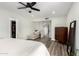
33	3
35	9
22	8
22	3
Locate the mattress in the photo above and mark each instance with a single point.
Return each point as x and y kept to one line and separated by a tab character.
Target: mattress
19	47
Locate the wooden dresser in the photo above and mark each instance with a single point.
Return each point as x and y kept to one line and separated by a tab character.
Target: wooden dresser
61	34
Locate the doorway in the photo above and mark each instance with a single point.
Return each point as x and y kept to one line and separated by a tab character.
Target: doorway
13	29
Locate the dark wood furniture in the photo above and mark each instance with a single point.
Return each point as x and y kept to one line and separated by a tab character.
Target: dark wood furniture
61	34
71	39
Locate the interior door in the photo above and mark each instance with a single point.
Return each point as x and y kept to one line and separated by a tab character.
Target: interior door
61	34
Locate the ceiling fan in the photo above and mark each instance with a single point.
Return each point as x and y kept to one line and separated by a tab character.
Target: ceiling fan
29	5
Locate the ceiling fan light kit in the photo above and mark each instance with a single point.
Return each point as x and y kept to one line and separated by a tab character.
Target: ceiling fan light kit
30	11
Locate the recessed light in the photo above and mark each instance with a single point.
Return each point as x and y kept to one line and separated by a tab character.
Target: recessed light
53	12
32	15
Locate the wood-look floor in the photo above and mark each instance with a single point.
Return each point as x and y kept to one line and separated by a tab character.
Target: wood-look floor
54	48
57	49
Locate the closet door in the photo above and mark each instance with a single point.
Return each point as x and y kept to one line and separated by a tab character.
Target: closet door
13	29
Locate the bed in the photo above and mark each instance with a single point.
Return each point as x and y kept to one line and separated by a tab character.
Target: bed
19	47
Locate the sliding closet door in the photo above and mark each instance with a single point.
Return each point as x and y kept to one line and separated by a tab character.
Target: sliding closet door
13	29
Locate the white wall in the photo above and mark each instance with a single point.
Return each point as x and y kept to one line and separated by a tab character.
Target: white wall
23	24
74	15
26	28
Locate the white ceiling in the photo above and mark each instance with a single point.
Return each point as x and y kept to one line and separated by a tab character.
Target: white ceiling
46	8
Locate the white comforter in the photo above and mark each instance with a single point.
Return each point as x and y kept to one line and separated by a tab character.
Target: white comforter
17	47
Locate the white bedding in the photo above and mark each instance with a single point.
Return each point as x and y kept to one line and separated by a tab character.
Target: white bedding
17	47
